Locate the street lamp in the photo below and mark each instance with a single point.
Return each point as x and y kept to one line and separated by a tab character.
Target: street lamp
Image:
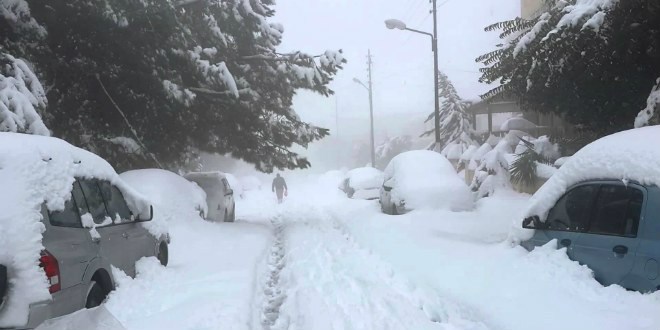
371	118
399	25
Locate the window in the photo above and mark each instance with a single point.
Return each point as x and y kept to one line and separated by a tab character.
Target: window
617	211
94	200
114	201
70	216
572	211
225	183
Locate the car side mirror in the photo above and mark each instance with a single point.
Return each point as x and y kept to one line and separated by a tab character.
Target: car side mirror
387	188
229	192
533	222
151	215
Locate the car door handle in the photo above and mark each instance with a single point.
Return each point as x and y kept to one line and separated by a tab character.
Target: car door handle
565	242
620	250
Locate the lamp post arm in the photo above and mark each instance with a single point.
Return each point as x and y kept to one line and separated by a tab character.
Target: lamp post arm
420	32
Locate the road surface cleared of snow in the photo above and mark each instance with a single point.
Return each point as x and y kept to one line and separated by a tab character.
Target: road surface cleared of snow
322	261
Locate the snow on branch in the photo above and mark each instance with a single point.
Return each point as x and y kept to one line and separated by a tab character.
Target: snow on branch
17	14
214	71
591	12
645	116
21	94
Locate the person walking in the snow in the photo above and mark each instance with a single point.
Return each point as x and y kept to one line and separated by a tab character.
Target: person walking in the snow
279	187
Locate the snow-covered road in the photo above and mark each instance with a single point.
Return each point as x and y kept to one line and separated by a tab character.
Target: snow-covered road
321	261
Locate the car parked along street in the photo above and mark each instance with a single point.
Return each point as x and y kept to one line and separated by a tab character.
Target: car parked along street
72	220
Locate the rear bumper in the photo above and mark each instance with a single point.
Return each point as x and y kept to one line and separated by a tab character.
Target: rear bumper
64	302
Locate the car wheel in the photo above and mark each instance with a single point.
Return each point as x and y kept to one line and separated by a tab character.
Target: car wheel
163	254
96	296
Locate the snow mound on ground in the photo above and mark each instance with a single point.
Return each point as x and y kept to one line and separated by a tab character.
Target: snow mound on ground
331	179
171	194
34	170
621	156
365	178
426	179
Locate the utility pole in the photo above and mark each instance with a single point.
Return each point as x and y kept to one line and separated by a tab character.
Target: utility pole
435	74
338	144
371	110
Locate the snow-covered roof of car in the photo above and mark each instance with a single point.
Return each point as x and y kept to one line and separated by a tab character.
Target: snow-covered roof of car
365	178
33	170
204	175
632	155
426	179
173	196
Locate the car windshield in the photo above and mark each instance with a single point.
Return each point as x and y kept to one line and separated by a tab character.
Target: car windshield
330	164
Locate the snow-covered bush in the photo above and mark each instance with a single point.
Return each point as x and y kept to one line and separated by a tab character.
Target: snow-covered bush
21	98
532	159
492	174
648	115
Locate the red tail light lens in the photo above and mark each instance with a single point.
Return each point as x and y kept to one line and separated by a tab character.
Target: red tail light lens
52	269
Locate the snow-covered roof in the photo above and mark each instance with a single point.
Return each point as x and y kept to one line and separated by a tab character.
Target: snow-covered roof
620	156
426	179
33	170
170	193
365	178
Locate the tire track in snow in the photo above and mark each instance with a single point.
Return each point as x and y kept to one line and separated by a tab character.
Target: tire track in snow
273	295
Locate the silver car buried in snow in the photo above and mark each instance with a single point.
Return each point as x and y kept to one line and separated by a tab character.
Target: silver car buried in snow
70	219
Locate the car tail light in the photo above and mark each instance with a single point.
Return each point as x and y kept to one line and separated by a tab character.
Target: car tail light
52	269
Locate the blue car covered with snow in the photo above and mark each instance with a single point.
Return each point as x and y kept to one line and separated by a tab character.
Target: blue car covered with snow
603	207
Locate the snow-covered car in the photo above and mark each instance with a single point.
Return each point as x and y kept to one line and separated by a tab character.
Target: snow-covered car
602	205
171	194
423	179
235	185
363	183
67	221
219	195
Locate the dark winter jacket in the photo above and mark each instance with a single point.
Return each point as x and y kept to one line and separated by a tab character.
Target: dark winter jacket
279	183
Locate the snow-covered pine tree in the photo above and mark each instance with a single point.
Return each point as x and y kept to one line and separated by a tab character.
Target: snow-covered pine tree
591	62
455	122
649	115
177	78
391	148
22	97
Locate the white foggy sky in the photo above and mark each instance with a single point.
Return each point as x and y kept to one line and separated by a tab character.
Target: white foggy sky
403	62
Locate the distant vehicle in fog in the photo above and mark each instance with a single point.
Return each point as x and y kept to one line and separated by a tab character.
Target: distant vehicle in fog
423	179
363	183
219	195
171	194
